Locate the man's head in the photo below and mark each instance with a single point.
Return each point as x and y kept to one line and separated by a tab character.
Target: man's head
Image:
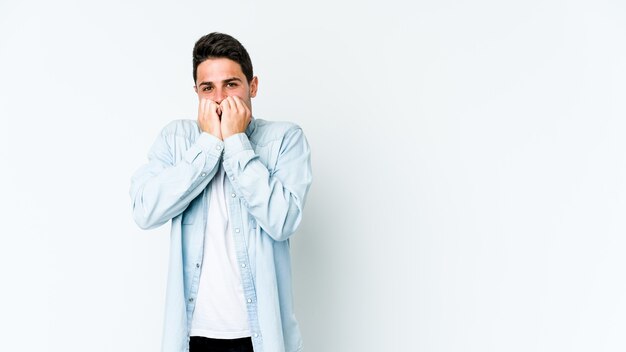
221	68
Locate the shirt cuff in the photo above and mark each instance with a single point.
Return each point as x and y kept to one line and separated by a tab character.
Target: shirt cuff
235	144
206	143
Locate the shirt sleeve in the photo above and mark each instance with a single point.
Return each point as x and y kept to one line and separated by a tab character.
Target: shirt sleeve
274	199
164	187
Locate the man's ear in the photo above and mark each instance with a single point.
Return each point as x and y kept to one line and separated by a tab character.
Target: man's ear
195	88
254	85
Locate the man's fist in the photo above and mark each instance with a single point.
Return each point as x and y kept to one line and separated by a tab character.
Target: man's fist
236	116
209	117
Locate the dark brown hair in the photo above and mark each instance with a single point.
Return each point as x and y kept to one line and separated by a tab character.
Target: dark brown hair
218	45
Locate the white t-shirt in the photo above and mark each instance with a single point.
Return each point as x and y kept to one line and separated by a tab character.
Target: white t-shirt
220	310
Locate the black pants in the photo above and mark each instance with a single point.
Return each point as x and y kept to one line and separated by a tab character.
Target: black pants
205	344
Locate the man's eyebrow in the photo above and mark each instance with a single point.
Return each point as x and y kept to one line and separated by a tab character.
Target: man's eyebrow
232	79
228	80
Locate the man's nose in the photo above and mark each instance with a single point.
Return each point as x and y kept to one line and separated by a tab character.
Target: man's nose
219	96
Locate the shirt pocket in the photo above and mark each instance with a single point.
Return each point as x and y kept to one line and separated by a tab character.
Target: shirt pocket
264	152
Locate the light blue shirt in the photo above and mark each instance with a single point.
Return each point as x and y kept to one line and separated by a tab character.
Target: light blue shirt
269	172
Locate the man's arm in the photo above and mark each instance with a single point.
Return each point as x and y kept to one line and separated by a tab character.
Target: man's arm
274	199
162	189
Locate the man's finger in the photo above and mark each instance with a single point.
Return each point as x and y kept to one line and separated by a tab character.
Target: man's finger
241	106
225	105
215	109
205	107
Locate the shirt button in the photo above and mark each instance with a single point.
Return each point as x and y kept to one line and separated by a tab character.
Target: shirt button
249	300
218	147
203	174
233	195
256	335
237	230
197	265
191	299
243	265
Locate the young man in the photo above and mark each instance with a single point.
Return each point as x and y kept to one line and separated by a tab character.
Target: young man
234	188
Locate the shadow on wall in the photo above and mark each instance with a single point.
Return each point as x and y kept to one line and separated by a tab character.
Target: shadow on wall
315	250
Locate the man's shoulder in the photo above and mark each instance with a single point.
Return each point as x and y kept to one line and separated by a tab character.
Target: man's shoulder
181	127
274	129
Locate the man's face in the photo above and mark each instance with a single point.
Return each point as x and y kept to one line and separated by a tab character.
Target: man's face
219	78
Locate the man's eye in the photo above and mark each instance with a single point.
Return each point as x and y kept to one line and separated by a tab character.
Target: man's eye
206	89
231	85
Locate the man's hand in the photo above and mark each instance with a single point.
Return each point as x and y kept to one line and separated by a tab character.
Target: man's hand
209	117
236	116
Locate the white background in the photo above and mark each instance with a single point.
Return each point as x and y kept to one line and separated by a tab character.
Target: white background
469	168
